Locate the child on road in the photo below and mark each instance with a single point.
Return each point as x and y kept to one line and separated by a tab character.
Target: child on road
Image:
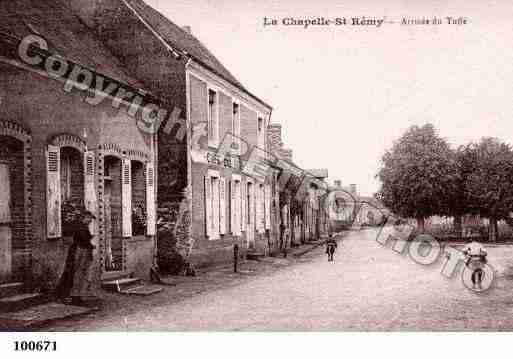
476	258
331	246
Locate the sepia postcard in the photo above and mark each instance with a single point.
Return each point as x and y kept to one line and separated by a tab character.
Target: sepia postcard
254	166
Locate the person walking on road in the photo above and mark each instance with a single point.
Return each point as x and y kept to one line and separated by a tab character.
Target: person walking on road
331	246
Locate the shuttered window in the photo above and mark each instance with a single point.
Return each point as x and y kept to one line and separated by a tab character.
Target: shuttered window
250	201
213	118
126	198
5	194
243	206
236	125
235	206
260	208
222	205
53	192
90	200
208	207
151	214
215	205
267	204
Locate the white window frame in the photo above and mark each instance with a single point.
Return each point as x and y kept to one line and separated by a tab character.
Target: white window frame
260	210
261	135
214	231
214	140
236	120
250	225
236	219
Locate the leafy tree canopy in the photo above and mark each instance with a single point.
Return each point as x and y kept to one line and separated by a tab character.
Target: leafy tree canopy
487	170
418	173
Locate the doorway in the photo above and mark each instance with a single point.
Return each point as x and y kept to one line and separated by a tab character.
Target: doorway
5	224
250	212
113	215
12	209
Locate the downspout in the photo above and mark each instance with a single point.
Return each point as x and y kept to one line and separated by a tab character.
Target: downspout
188	136
155	195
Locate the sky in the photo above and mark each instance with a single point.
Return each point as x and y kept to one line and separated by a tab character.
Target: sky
343	94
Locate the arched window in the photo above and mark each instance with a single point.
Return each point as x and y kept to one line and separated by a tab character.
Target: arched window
69	183
12	205
72	175
113	213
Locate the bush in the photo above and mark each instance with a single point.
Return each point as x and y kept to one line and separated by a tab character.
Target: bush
138	221
71	213
169	260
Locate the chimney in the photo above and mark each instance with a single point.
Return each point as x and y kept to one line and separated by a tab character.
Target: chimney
274	136
353	188
187	29
338	183
287	153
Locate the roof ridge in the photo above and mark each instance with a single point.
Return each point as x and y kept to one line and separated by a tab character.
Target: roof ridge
191	46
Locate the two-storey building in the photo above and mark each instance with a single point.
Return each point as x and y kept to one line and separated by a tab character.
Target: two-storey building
212	202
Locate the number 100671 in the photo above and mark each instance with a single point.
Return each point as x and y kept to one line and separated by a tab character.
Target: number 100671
35	346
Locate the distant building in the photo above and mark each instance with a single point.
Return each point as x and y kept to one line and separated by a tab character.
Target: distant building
301	196
353	209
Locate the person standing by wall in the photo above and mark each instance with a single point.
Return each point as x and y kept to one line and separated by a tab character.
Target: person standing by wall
76	278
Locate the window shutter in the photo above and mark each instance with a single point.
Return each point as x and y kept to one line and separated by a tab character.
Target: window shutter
243	206
251	213
215	207
233	209
126	198
151	215
222	205
238	207
208	207
5	195
53	192
90	201
267	207
261	208
258	206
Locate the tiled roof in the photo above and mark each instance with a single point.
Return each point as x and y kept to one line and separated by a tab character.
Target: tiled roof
318	172
182	40
65	33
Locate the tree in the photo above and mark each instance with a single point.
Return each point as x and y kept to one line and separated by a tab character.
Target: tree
487	167
458	205
416	175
